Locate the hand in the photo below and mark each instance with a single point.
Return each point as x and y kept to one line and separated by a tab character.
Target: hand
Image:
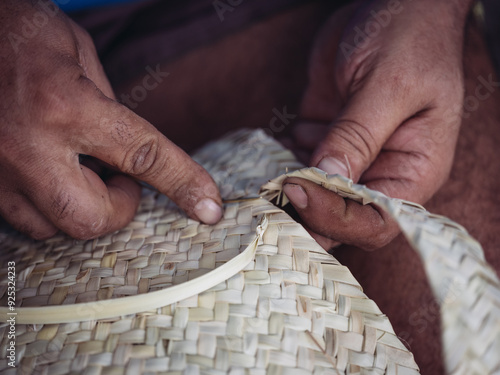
57	104
383	107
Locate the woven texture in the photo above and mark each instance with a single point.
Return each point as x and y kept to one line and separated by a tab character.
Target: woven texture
464	284
293	309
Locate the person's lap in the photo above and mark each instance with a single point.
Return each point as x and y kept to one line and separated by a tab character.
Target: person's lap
241	80
247	78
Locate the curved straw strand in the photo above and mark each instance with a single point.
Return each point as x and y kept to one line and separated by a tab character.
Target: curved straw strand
139	303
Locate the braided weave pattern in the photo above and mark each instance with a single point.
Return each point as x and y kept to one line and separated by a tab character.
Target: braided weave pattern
293	309
464	284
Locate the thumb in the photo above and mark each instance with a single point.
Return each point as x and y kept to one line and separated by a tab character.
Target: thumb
357	135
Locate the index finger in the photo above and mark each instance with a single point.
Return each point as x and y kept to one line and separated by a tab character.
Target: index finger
131	144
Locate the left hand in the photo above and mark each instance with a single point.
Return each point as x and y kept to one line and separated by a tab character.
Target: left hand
57	105
385	112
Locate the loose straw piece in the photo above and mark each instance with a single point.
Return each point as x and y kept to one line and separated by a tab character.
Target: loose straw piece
110	308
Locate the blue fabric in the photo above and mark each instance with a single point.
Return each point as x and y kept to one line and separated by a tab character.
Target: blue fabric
74	5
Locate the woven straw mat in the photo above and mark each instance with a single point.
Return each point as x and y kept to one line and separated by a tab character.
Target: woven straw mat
253	294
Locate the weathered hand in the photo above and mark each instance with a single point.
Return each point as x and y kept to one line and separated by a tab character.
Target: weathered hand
383	107
57	104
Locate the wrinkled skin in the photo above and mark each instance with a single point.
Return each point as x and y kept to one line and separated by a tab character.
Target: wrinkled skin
393	275
57	104
255	77
384	111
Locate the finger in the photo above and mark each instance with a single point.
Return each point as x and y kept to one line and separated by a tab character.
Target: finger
407	175
117	199
78	202
372	114
132	145
25	217
414	162
336	218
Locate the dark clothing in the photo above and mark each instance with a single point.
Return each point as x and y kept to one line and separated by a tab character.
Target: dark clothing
130	37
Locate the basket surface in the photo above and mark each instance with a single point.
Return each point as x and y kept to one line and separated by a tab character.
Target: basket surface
103	307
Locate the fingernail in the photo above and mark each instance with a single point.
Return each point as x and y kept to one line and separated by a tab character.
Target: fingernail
208	211
333	166
296	194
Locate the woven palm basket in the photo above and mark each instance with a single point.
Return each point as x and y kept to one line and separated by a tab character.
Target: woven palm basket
253	294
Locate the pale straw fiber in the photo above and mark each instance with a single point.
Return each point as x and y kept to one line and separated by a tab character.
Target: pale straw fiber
253	294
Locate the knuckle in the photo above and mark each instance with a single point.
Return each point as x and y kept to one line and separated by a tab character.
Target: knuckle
348	71
80	219
62	205
88	225
143	159
352	135
88	87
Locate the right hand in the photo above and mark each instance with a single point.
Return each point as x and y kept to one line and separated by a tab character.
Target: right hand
384	110
57	104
